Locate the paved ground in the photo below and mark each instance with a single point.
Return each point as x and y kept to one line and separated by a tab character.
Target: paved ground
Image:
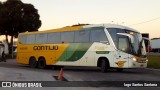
11	71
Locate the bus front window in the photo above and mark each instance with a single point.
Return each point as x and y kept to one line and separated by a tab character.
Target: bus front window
138	45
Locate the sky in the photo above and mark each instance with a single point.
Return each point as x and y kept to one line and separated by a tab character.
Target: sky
142	15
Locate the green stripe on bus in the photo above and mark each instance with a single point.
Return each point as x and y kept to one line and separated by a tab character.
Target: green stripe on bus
75	51
102	52
69	51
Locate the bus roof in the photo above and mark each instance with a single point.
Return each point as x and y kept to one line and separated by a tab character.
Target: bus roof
111	26
68	28
74	28
119	26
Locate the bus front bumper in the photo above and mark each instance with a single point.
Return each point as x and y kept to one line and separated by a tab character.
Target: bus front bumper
135	64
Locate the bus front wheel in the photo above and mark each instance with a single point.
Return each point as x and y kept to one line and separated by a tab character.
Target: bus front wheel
104	65
41	63
33	62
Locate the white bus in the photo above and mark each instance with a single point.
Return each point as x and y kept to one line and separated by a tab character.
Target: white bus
102	45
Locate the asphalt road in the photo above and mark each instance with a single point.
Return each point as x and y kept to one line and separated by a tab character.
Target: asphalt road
11	71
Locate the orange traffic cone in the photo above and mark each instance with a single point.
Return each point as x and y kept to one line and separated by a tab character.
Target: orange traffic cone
60	77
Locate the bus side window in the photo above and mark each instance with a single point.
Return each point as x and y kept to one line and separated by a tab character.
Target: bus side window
22	39
67	37
30	39
98	35
113	34
54	37
41	38
123	44
82	36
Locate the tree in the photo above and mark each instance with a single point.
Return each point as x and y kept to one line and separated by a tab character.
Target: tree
17	17
1	5
2	20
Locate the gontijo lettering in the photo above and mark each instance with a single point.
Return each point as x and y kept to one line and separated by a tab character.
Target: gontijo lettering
54	47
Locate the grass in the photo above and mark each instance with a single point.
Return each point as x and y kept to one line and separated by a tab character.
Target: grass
153	61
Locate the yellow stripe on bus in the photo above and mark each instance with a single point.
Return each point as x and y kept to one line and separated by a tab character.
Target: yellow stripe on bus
56	30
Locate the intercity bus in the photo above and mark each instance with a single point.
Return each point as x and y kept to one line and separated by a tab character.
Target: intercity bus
100	45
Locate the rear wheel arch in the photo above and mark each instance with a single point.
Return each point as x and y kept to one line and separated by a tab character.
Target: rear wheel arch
41	57
100	60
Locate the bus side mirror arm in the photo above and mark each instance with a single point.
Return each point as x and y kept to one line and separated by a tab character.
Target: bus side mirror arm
128	35
146	38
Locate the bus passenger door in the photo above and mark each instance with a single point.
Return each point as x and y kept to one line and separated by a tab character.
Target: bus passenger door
121	55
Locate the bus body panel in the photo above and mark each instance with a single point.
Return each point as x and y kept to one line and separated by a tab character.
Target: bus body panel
121	59
90	56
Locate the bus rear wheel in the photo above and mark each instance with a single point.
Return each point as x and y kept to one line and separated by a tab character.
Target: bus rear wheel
104	65
41	63
32	62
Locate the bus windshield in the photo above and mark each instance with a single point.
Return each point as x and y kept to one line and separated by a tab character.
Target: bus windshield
138	45
137	48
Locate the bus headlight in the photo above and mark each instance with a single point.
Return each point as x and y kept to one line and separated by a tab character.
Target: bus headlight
147	60
134	59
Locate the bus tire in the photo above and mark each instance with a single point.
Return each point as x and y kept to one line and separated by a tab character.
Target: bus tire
32	62
119	69
41	63
104	65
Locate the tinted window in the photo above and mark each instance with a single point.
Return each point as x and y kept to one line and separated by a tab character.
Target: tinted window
41	38
30	39
113	34
67	37
82	36
54	37
97	35
22	39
